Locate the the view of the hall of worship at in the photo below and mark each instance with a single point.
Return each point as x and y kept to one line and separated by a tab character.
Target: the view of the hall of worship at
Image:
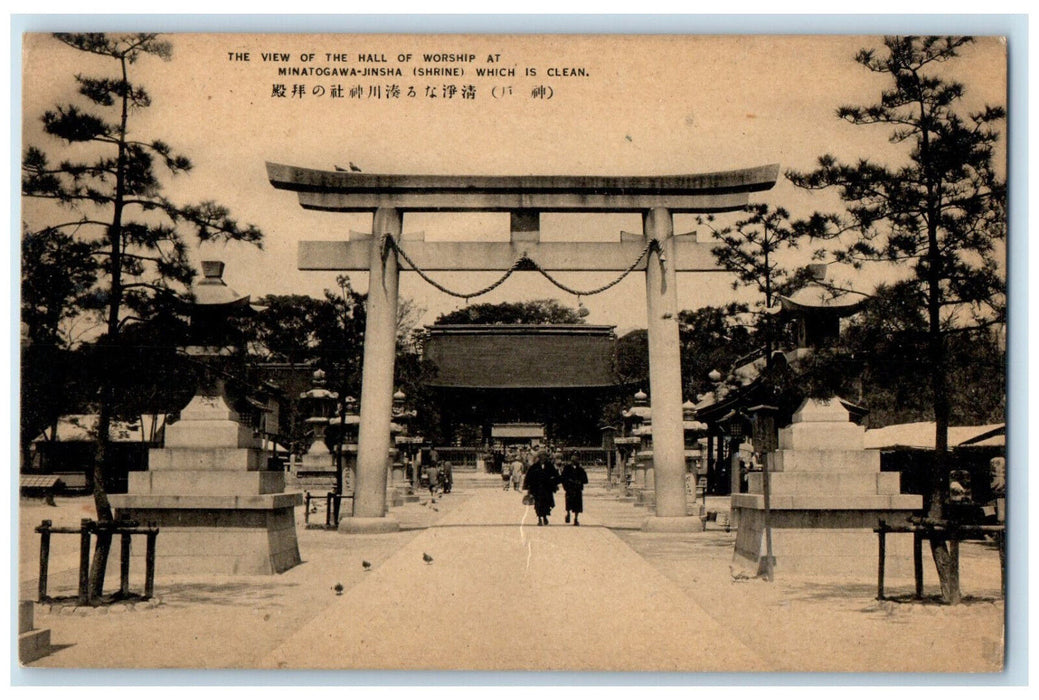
513	353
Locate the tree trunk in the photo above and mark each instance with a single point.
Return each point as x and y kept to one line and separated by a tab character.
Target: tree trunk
104	420
102	457
948	567
946	564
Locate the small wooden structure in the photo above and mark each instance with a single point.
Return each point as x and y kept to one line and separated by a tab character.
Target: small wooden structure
87	528
953	533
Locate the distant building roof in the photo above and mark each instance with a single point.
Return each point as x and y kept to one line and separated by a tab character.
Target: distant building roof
920	436
815	297
82	427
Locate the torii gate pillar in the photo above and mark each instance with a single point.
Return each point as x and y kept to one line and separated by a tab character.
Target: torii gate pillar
380	337
665	378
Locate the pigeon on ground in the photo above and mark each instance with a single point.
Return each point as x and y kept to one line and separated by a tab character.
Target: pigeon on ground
366	565
338	588
426	558
354	168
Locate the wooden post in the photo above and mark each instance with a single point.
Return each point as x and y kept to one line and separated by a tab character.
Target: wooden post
124	565
881	536
84	561
1001	541
45	551
766	491
149	564
918	563
306	508
954	568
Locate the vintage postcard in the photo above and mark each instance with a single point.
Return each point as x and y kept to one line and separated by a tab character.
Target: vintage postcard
513	352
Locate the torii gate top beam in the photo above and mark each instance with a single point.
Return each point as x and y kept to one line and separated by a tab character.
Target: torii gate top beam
326	190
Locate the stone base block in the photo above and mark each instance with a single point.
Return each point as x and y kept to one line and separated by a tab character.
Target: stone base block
827	460
645	498
34	644
368	526
822	436
206	459
210	434
233	542
26	611
830	483
822	543
411	498
160	502
689	523
827	502
213	483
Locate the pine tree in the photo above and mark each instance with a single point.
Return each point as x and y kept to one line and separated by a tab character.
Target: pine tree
940	214
113	198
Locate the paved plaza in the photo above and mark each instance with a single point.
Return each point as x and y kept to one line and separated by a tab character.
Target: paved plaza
502	593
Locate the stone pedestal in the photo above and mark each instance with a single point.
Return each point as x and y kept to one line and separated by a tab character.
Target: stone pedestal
827	495
218	507
33	643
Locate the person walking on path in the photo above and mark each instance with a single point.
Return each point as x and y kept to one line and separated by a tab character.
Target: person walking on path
541	483
448	476
574	478
516	479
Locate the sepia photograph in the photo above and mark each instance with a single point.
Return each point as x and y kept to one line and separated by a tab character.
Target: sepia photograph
513	352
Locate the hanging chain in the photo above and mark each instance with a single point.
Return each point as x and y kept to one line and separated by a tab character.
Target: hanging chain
467	296
391	243
589	292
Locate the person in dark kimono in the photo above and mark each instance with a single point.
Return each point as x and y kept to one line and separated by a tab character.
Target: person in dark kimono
574	478
541	483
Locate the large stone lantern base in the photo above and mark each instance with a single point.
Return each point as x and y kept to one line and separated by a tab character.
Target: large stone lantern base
219	509
827	494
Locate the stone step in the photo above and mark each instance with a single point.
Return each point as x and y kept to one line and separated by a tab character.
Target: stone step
34	644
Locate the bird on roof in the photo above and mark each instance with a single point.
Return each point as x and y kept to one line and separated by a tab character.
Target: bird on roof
426	558
366	565
354	168
338	588
339	169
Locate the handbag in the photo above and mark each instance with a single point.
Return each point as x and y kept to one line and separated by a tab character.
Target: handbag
528	500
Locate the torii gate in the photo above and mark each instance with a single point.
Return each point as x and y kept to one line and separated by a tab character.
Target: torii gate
658	251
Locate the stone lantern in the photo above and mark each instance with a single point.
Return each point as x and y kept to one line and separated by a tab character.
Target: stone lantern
816	311
220	506
341	438
640	415
407	446
693	430
404	443
318	404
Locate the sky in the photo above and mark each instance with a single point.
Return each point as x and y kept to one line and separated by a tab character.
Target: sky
643	106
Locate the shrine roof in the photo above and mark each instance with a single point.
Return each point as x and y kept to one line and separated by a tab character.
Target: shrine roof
521	356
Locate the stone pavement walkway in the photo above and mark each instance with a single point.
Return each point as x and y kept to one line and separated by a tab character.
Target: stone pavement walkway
505	594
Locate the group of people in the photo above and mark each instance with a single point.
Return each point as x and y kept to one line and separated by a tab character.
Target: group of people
542	480
439	475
